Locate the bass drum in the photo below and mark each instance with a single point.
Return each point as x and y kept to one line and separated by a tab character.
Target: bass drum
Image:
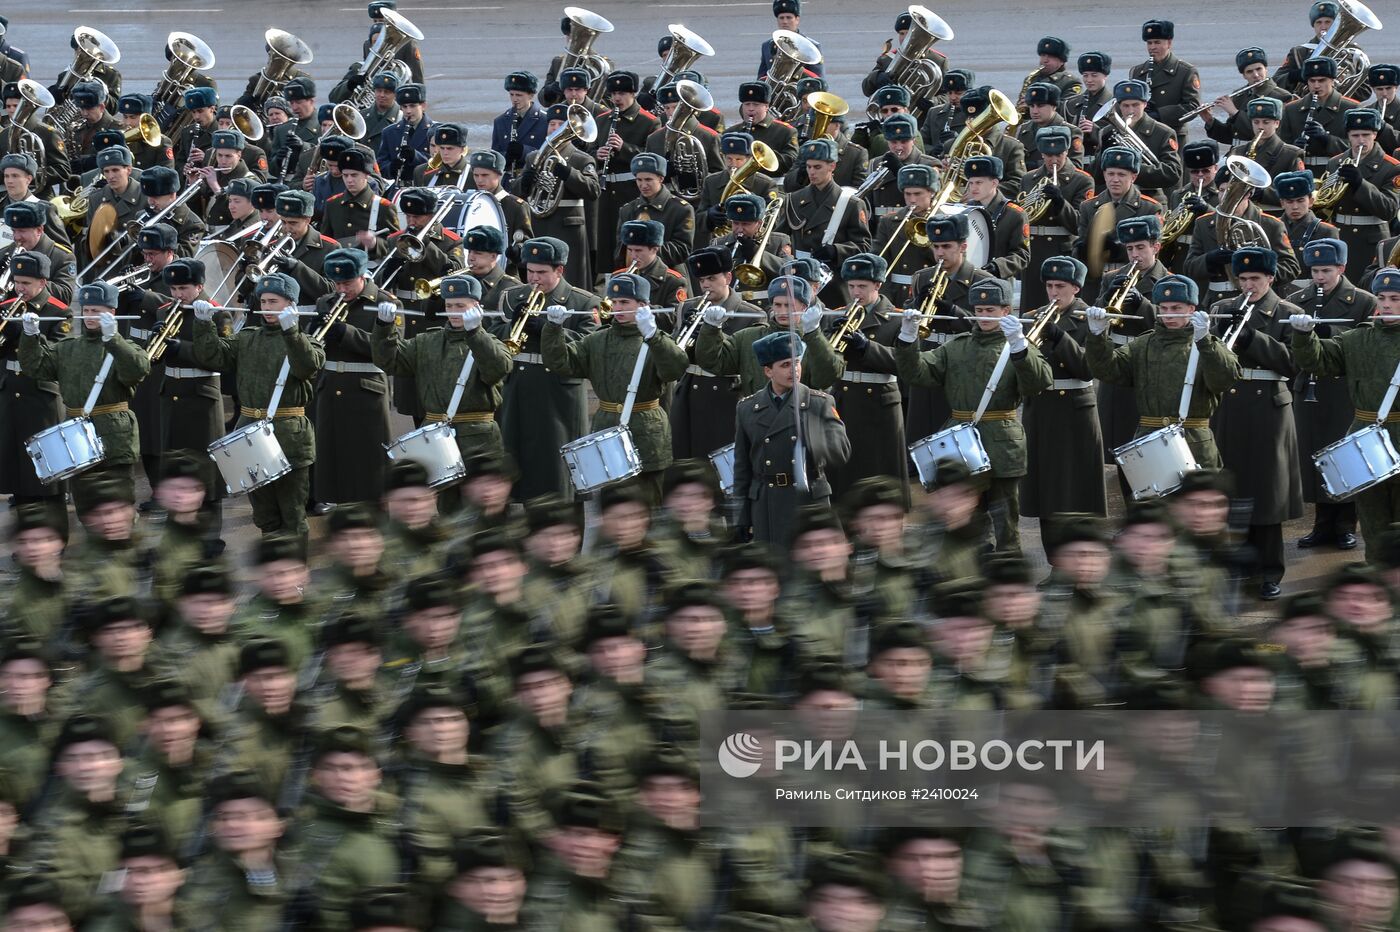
476	209
220	259
979	232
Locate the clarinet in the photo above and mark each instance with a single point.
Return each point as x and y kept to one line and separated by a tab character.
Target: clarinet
405	155
1302	139
290	154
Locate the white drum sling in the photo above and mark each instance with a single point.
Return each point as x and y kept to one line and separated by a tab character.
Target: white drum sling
251	456
961	441
723	462
1154	464
607	456
70	446
435	445
1364	459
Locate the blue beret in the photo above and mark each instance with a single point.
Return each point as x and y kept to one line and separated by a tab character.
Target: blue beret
31	265
628	285
791	286
625	82
484	239
25	215
488	158
158	236
1254	259
386	81
753	92
643	233
1131	89
1387	279
1177	288
822	150
1042	92
891	95
344	264
544	250
1064	269
21	160
114	155
296	204
901	126
575	78
522	81
227	139
1322	8
1319	68
982	166
733	143
1294	184
411	94
278	283
1250	56
1137	229
1120	157
990	291
461	286
776	347
865	267
1053	45
1324	251
1200	155
1265	108
199	97
648	162
1158	29
1363	118
1383	76
947	229
1098	62
1052	140
747	208
917	176
98	294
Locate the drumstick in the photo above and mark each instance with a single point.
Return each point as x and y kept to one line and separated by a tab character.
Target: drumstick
458	313
1352	320
70	317
1080	315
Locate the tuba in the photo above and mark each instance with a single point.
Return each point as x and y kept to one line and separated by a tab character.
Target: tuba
760	157
683	150
1339	44
348	122
548	190
1232	229
792	53
33	98
969	143
285	53
396	32
93	50
912	68
189	55
825	108
585	27
686	49
247	122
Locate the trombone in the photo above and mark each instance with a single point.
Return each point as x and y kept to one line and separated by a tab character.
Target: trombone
750	274
915	230
533	306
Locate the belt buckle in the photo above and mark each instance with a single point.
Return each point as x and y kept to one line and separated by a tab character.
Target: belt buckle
1167	421
781	480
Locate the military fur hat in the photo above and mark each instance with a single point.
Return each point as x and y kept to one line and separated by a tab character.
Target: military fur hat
544	250
1064	269
1176	288
1319	68
114	155
774	347
990	292
753	92
280	284
626	285
1326	251
1043	93
450	134
1137	229
787	286
864	266
1158	29
461	286
488	159
294	204
947	229
1254	259
98	294
917	176
1200	155
522	81
625	82
31	265
485	239
159	236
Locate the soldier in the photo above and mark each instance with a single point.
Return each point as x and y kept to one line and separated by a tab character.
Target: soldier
1062	423
53	159
354	693
824	220
1317	120
92	116
1258	439
1149	365
957	366
253	157
382	112
359	217
292	142
488	169
450	143
242	878
1372	189
658	204
766	476
724	354
685	177
606	359
787	14
890	100
1162	171
258	352
642	242
28	723
192	143
1321	405
1066	187
225	165
1054	56
1289	76
1384	81
130	109
1276	156
1364	355
403	146
1174	87
576	172
1208	260
28	405
867	394
19	171
1043	103
36	899
1010	246
1238	124
1003	144
756	120
490	882
75	365
1119	167
410	53
309	247
161	186
574	86
746	214
231	214
900	134
1294	192
124	195
946	117
153	867
523	128
916	183
485	262
622	135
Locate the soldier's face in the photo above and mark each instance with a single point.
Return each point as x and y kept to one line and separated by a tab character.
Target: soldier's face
272	688
717	285
1143	253
496	893
1255	72
383	99
950	254
413	507
752	591
932	866
346	779
1202	178
180	495
486	179
90	767
519	100
1320	85
575	95
150	881
618	658
1158	49
434	629
117	176
642	255
649	185
41	917
863	292
1132	110
349	288
276	116
822	551
1063	292
544	277
1146	546
451	155
745	228
1042	113
16	183
358	548
23	685
122	641
1388	305
753	111
355	181
1326	276
439	731
556	544
918	198
29	288
1201	513
1359	605
834	908
1308	639
819	171
889	110
412	112
1361	140
672	800
302	108
624	310
204	116
544	694
1255	284
690	503
625	524
207	613
902	148
239	207
1386	92
1244	689
1015	605
1321	25
1083	562
1363	893
172	731
904	671
246	825
989	316
622	99
110	520
1094	81
981	190
498	572
696	630
784	374
283	581
158	259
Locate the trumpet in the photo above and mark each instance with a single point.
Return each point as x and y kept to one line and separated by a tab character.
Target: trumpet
1206	107
692	326
136	278
605	305
533	306
425	288
1048	315
1034	202
412	246
168	328
1120	296
855	319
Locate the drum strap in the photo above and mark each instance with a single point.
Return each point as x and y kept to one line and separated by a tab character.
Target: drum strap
838	213
106	370
997	371
277	389
633	385
1193	362
1383	412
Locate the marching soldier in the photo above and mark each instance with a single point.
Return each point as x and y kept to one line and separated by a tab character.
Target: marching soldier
1062	422
710	215
450	140
1010	247
383	110
1384	81
769	479
1254	427
1198	196
231	214
945	116
577	172
891	100
75	365
622	135
293	142
92	113
1161	172
1079	109
607	358
1119	167
161	186
1174	87
26	222
700	421
746	213
252	155
1366	356
574	88
1294	192
1066	187
1042	104
1054	56
295	209
488	170
193	142
1275	155
540	409
122	192
916	183
1208	260
868	392
433	360
1372	189
1290	76
1321	404
130	109
359	217
157	244
756	119
656	202
642	242
1154	365
411	54
1238	124
1004	145
523	128
900	134
684	178
787	14
1317	119
18	170
824	220
54	161
485	262
403	146
324	180
258	353
723	354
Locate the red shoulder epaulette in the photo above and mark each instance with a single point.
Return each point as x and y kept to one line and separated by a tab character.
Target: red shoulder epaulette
448	234
1150	200
54	302
386	202
1348	100
673	272
335	197
1085	174
781	123
1389	159
603	113
330	239
646	112
709	129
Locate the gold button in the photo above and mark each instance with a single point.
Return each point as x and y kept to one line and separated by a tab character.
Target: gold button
870	391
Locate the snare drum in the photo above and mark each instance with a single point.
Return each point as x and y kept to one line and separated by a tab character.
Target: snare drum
65	449
1357	462
959	442
601	458
723	462
250	457
1153	465
435	446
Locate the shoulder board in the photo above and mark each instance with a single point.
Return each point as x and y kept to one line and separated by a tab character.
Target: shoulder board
59	247
781	123
670	271
330	240
1150	200
748	397
603	113
1389	160
708	129
818	393
1013	206
335	197
1085	174
645	112
386	202
1349	100
448	234
54	302
1209	213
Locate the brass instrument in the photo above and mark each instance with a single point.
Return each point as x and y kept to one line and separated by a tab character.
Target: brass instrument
750	274
285	53
99	230
548	190
692	327
1393	259
605	305
585	27
1339	44
1192	114
533	306
1232	229
915	230
825	107
1120	294
72	207
760	156
1022	107
969	143
1180	218
855	319
138	277
425	288
928	307
394	34
411	246
1124	135
189	55
682	149
33	98
147	130
338	312
13	308
686	49
1332	188
92	50
913	68
1034	202
1044	318
792	53
168	329
349	123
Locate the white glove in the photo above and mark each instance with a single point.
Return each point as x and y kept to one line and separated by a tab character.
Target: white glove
1011	329
556	314
909	326
471	318
1098	320
646	322
108	322
1200	325
715	315
287	319
30	320
811	319
203	310
388	312
1303	323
